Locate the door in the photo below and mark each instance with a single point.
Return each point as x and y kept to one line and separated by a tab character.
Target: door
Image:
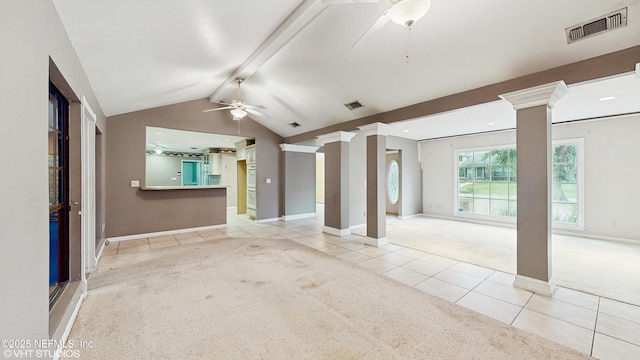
58	165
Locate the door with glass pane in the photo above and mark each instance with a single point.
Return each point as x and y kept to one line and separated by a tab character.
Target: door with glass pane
58	155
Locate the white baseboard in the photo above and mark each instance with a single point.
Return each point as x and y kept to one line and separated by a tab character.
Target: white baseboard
168	232
299	216
72	319
354	227
375	242
267	220
336	232
409	216
547	288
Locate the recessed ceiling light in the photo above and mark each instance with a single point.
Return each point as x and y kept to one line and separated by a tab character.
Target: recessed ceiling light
608	98
491	123
406	131
159	133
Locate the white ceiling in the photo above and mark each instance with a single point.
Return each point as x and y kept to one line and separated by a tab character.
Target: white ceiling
299	61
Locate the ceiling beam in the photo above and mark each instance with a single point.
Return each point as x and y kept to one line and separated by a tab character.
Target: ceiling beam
297	20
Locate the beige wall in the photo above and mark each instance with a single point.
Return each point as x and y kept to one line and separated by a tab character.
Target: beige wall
128	208
30	35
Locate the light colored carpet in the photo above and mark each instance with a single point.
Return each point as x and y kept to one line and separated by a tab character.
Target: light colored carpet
241	298
604	268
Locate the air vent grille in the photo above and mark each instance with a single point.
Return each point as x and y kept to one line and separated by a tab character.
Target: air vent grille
353	105
294	124
599	25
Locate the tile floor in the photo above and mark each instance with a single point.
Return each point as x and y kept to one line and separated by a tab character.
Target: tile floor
603	328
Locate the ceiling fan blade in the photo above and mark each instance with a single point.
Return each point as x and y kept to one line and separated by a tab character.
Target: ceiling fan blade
220	108
254	107
340	2
378	25
255	112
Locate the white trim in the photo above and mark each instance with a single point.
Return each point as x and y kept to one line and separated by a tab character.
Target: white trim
472	220
299	216
267	220
596	237
375	242
375	129
354	227
72	320
638	71
409	216
546	94
299	148
232	208
336	232
335	137
547	288
88	187
99	256
160	233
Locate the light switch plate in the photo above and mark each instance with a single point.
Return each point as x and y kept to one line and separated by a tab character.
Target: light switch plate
268	181
135	183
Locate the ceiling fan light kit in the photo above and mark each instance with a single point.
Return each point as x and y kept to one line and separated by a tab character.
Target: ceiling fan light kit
238	113
238	107
408	12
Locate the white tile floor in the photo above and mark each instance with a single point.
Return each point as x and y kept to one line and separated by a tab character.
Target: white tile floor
603	328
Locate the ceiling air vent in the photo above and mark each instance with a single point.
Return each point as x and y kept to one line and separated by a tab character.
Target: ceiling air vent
354	105
598	25
294	124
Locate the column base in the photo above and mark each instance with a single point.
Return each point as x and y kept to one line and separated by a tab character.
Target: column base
336	232
547	288
375	242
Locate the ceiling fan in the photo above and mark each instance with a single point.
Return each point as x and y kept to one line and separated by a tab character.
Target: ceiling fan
239	108
403	12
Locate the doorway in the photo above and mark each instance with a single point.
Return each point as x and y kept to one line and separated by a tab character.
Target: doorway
393	182
58	167
241	205
191	172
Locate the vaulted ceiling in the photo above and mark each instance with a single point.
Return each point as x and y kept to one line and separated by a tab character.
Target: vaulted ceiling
299	60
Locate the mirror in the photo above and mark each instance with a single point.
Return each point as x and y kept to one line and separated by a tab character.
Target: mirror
189	158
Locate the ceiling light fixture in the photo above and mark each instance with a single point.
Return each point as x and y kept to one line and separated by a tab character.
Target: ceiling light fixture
406	131
608	98
491	123
408	12
238	113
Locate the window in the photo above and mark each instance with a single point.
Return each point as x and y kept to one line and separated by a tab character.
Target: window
393	178
487	182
